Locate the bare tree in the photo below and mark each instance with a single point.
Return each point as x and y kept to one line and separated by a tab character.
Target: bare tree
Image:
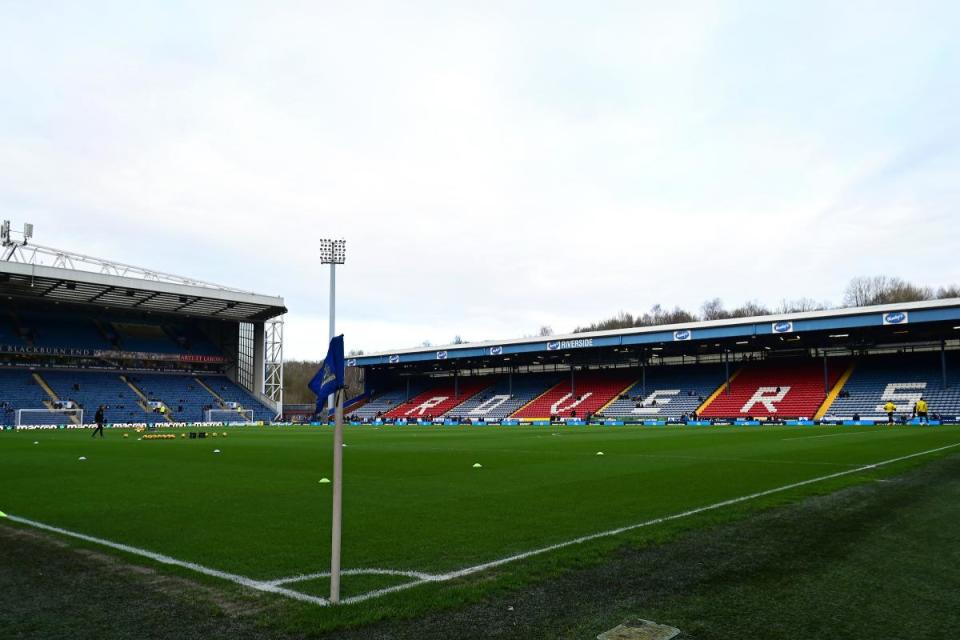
862	291
800	305
713	310
622	320
949	291
749	309
545	330
457	340
297	373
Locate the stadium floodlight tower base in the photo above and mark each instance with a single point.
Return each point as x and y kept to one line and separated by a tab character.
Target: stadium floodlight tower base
228	416
49	416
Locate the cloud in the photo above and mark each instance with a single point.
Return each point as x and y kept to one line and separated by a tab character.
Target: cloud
494	167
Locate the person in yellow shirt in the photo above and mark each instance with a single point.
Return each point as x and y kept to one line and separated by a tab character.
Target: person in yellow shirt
890	408
921	409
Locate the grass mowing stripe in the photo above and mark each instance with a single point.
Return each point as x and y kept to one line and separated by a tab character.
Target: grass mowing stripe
612	532
192	566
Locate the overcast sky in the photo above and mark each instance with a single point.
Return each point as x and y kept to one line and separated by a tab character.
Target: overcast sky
494	166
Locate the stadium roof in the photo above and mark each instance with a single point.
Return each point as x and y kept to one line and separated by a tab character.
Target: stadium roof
853	327
25	281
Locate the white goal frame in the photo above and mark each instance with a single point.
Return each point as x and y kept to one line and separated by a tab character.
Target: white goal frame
228	415
65	412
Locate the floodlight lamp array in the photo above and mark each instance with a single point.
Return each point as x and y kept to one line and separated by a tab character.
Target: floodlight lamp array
333	251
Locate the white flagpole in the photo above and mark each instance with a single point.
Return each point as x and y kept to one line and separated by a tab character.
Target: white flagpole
337	499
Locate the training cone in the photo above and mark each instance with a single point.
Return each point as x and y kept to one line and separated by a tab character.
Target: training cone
599	453
35	442
126	435
324	481
82	458
216	450
477	465
224	434
183	435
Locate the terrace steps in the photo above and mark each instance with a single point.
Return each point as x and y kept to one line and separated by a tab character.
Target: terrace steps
717	392
834	392
144	401
209	389
52	394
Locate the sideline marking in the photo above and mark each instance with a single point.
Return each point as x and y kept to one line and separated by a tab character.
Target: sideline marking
274	586
612	532
159	557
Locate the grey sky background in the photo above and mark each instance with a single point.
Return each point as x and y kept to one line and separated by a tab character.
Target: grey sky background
494	166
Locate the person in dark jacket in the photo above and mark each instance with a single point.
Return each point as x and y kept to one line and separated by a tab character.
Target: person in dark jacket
98	418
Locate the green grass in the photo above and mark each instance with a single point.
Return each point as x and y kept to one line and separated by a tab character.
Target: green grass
414	502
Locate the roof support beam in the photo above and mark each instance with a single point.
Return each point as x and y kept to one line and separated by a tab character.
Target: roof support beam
104	292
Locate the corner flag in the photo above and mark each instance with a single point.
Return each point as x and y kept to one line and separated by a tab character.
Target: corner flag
329	377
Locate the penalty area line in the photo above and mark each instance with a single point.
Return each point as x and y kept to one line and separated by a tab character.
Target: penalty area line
192	566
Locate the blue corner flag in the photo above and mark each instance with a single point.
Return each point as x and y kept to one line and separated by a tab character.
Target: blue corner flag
330	376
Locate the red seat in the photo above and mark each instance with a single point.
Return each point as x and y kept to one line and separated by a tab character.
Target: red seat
594	390
753	392
438	400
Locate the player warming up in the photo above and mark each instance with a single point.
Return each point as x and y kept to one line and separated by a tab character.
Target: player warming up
99	420
890	408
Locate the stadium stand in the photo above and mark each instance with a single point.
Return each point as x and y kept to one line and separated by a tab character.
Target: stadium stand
125	396
775	390
91	389
671	392
224	391
20	390
901	378
440	399
593	390
38	329
502	399
76	330
381	403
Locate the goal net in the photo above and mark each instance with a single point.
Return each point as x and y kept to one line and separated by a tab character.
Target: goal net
228	415
49	416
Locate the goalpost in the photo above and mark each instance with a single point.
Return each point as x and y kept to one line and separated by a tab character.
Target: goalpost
228	415
49	416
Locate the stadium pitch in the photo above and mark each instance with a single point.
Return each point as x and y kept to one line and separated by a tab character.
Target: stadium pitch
424	527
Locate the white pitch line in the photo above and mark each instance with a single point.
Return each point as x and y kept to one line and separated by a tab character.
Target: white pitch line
303	577
423	578
192	566
830	435
612	532
751	460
